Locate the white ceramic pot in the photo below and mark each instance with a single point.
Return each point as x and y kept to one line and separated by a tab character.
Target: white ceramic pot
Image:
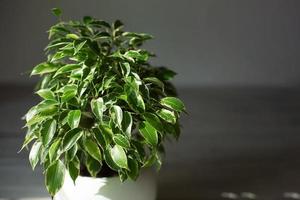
88	188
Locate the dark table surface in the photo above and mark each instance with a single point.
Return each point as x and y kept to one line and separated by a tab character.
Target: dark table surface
236	142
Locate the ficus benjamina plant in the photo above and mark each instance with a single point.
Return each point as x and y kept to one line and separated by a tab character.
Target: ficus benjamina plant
102	102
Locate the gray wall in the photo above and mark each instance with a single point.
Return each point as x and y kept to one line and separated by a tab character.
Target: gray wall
208	42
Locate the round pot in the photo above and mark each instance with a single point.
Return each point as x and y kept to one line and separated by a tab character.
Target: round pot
88	188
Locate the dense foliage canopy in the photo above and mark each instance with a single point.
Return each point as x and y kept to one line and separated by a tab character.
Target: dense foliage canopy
101	102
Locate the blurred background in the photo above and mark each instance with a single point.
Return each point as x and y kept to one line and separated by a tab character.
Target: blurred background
238	73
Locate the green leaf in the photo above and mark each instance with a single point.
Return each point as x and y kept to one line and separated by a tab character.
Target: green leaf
68	95
166	74
173	103
87	19
100	138
46	103
53	150
117	115
122	175
47	107
93	166
31	113
30	136
89	74
142	36
154	121
46	81
167	115
76	74
58	45
103	135
44	68
109	161
71	138
107	82
135	100
59	29
125	67
48	130
57	56
69	87
149	133
68	46
121	140
145	92
79	47
153	159
136	79
74	118
72	152
43	155
69	91
118	24
35	154
133	168
57	12
155	81
127	123
106	131
55	175
74	168
72	36
135	55
35	119
67	68
140	103
102	35
100	24
172	129
46	94
119	157
92	148
98	107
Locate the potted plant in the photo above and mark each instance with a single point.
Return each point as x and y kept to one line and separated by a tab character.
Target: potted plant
104	113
